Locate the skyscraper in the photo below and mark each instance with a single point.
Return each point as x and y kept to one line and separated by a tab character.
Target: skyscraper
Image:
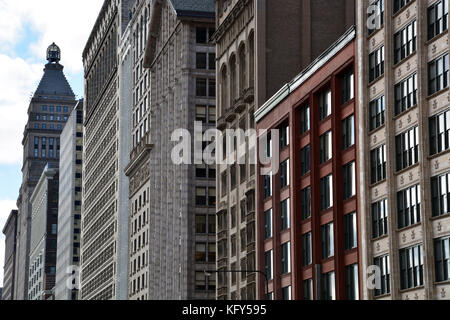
69	207
404	117
172	217
104	232
48	111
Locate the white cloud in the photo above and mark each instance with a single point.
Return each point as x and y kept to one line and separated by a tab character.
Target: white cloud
65	22
5	208
18	80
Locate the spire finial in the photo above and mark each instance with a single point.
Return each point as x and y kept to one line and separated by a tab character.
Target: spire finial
53	53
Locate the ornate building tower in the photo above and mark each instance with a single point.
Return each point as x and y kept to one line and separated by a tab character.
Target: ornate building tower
49	109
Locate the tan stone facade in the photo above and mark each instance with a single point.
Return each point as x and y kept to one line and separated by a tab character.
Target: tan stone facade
404	222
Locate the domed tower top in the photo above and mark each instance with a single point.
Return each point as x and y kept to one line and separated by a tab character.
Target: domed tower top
53	53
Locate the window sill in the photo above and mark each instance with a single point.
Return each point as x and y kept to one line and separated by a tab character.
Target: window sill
437	93
438	155
443	216
399	12
411	289
405	59
380	238
404	112
377	129
380	77
437	37
402	171
369	36
409	227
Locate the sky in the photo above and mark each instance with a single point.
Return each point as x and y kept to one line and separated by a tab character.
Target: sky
27	28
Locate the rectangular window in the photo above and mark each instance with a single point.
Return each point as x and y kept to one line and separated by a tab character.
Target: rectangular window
233	217
224	183
350	231
379	219
200	281
268	185
306	249
200	252
200	224
201	35
200	113
398	4
438	76
211	88
405	42
442	259
439	133
233	178
307	289
411	267
349	180
352	282
348	86
440	195
305	160
286	291
212	61
268	224
326	192
326	147
268	258
324	104
200	60
348	132
407	148
201	88
327	232
200	196
437	18
285	215
376	64
286	258
408	206
378	164
284	136
305	120
305	199
328	286
211	224
383	265
406	94
200	171
212	197
284	174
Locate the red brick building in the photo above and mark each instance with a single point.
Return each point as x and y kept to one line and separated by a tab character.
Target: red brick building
307	213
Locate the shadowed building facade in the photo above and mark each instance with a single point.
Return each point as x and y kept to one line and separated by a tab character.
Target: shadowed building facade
48	111
10	232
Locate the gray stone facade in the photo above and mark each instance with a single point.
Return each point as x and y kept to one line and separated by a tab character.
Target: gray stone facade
168	254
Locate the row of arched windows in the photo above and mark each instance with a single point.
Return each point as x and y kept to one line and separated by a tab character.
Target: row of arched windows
236	77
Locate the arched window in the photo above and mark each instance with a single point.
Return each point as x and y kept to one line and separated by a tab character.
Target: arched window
224	89
251	45
233	79
242	70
